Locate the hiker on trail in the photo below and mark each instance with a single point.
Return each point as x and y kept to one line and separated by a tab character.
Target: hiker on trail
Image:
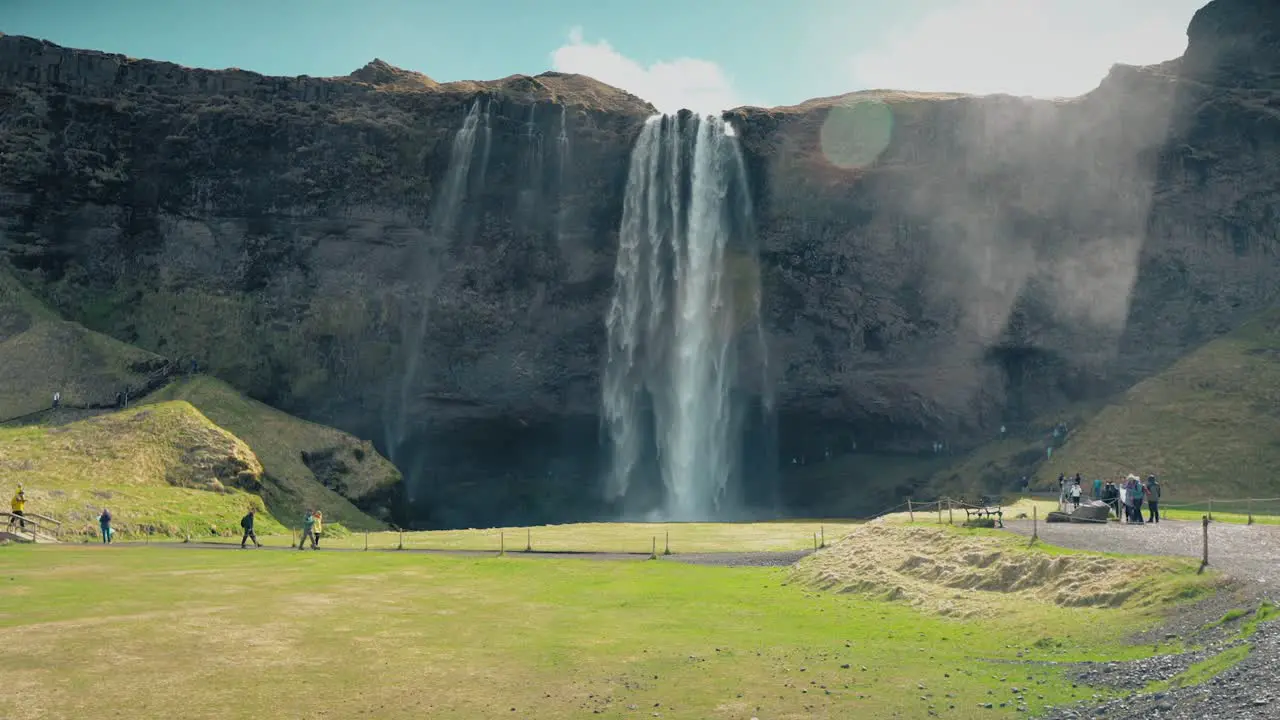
1062	486
315	530
1076	490
1097	488
57	399
104	524
18	507
1153	499
308	527
246	522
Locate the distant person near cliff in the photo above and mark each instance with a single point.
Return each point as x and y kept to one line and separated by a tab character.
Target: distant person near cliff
18	508
246	523
315	530
308	529
104	525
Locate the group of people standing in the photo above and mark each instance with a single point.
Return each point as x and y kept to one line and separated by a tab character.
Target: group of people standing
1125	496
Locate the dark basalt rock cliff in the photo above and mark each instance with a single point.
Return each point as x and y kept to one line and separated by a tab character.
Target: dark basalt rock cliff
932	265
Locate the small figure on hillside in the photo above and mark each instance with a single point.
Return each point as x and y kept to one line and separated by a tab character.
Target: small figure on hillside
57	399
1002	431
18	508
246	522
308	529
1076	490
315	530
104	524
195	365
1153	499
119	400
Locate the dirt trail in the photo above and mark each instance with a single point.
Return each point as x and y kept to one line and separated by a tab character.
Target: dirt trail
1247	553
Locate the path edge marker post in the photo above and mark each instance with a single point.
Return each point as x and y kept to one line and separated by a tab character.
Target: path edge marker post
1035	523
1204	560
666	549
911	513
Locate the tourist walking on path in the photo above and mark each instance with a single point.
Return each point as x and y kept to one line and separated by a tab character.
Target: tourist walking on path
57	399
246	523
1153	499
308	528
18	507
1076	490
104	524
1097	488
315	530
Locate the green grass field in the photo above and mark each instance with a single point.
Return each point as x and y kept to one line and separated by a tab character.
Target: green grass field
165	631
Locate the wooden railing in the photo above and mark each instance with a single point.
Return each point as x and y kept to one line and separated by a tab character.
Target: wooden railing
34	524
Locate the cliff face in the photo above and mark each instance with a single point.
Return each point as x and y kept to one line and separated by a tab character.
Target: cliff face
933	265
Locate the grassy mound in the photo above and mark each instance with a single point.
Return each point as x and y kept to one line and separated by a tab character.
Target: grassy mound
307	465
964	573
1208	425
42	354
161	469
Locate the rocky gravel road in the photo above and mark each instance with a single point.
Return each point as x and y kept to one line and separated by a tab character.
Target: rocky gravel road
1249	555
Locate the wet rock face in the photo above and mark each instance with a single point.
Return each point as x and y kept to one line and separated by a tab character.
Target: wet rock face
932	265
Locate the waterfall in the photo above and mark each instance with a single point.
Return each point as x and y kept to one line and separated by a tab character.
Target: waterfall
529	191
445	212
678	319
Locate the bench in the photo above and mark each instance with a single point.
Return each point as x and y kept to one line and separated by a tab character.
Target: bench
984	509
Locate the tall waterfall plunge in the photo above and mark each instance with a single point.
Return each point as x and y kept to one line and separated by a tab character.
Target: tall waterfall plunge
685	313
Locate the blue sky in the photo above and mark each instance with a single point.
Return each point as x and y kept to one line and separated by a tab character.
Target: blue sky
704	54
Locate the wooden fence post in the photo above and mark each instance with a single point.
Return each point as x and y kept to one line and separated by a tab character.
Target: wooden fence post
1250	507
822	535
1210	509
366	541
401	547
910	511
815	542
502	544
1035	523
528	540
939	512
666	544
1204	561
653	554
951	516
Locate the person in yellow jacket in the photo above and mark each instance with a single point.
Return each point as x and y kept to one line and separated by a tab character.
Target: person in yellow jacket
315	531
18	507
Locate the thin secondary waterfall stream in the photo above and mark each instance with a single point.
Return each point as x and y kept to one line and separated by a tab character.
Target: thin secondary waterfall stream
669	400
444	222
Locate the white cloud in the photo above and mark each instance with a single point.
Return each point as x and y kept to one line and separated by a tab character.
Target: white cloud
1043	48
671	85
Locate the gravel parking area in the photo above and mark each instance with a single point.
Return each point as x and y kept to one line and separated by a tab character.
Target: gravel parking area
1250	556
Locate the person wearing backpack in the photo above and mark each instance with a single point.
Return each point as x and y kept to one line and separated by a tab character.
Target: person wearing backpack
308	529
246	522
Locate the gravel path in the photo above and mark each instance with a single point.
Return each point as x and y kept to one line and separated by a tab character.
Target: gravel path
1247	553
1250	556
